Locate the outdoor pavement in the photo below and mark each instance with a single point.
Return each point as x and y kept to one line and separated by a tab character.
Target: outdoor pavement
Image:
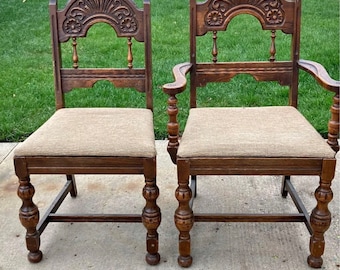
122	246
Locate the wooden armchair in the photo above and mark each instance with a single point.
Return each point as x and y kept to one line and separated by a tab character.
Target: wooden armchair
270	140
93	140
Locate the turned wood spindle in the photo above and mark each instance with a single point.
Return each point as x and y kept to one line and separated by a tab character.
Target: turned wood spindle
130	57
214	49
173	128
75	54
272	46
333	124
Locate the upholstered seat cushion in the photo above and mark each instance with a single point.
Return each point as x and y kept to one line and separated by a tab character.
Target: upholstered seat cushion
121	132
251	132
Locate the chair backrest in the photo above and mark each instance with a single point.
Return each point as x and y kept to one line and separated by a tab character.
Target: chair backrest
73	22
214	16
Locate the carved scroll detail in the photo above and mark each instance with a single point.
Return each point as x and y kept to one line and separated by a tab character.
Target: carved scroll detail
270	10
116	12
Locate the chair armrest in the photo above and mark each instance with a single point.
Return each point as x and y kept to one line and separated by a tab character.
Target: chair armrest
323	78
179	71
320	74
172	89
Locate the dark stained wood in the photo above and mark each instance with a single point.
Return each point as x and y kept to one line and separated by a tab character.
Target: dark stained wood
272	46
213	17
261	71
255	166
80	77
320	74
75	20
72	22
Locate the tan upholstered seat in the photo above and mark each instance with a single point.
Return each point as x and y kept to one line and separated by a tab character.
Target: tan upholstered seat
121	132
255	132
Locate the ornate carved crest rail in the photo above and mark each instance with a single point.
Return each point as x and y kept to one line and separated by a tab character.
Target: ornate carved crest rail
271	13
120	14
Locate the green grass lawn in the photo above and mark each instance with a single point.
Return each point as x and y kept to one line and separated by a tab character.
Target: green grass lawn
26	80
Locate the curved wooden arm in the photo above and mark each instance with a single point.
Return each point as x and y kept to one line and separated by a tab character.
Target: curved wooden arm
179	71
320	74
323	78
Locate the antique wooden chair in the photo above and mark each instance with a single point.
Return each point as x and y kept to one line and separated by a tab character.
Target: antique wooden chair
93	140
269	140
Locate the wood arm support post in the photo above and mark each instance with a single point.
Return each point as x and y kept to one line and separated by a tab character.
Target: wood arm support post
333	124
172	89
173	128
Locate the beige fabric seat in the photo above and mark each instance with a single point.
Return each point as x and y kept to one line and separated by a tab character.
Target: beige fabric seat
237	132
121	132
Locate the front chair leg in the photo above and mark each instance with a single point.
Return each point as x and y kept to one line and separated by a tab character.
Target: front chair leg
184	218
151	216
29	218
321	217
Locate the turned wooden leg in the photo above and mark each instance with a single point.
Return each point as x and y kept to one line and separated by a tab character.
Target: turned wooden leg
321	217
151	213
29	218
73	190
184	218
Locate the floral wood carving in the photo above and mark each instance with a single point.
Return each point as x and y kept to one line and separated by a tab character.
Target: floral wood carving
269	10
78	17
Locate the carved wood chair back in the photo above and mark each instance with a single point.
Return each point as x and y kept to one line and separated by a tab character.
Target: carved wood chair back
213	17
74	21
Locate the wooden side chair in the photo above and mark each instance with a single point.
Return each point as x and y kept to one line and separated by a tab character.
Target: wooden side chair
269	140
93	140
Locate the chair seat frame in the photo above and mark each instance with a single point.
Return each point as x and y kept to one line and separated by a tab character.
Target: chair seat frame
29	213
317	223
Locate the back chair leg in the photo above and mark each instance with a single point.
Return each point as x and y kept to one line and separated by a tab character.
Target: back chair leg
184	218
29	218
151	213
284	191
73	190
321	217
194	185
